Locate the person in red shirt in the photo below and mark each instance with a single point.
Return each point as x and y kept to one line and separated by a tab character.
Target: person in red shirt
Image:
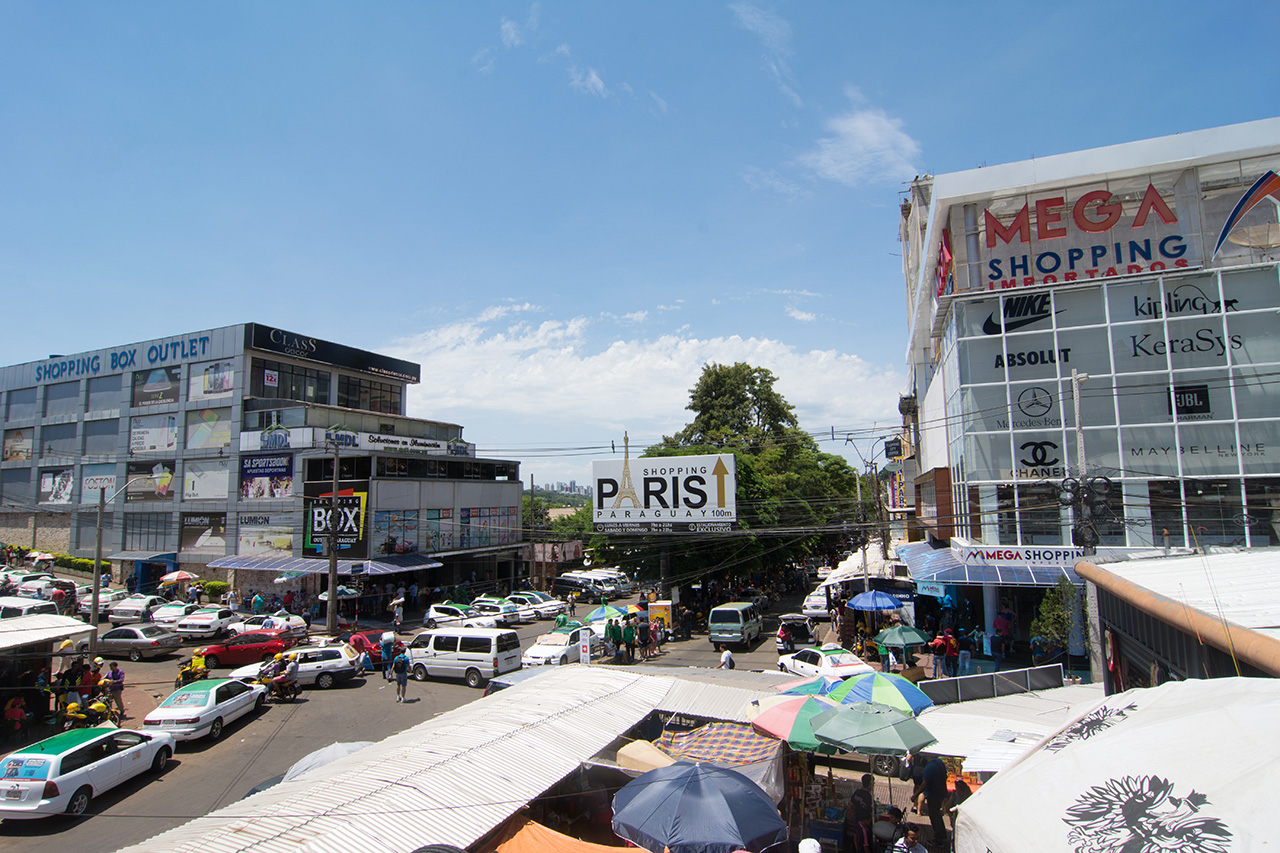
951	660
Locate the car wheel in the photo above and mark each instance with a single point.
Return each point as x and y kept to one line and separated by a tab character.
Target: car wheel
324	681
884	765
260	703
162	758
430	623
564	661
419	672
473	678
210	661
79	801
177	682
215	730
782	668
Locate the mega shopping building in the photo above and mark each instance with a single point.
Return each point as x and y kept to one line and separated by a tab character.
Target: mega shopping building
215	450
1149	266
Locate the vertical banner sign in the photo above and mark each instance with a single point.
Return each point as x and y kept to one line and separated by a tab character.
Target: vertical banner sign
673	493
349	528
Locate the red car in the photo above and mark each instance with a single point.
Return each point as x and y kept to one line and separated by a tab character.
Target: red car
249	647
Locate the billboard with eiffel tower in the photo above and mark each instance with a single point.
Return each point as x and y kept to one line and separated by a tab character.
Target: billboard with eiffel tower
667	494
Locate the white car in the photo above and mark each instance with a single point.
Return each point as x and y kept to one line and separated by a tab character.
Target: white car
829	660
815	605
296	625
457	614
542	605
208	622
322	667
20	576
106	598
169	615
503	612
134	608
561	646
203	708
60	775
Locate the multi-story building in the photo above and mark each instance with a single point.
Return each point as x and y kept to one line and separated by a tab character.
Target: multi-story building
1150	267
218	447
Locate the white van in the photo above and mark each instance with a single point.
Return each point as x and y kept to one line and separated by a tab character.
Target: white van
606	585
473	654
616	577
12	605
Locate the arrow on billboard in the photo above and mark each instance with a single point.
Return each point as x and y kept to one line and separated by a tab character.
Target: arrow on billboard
720	472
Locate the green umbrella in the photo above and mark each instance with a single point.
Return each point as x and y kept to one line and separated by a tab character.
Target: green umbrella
871	729
901	636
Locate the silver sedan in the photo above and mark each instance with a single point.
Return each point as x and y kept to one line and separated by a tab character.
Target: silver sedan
135	642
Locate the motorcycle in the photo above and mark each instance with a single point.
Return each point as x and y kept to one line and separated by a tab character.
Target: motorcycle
285	691
188	673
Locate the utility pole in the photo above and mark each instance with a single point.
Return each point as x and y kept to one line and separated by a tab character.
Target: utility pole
862	521
331	608
97	576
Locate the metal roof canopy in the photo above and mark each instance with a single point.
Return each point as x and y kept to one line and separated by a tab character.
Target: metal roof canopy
146	556
19	631
449	780
940	565
311	566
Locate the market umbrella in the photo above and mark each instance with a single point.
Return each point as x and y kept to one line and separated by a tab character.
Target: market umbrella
343	592
818	685
606	611
286	577
871	729
874	600
696	808
901	636
177	577
885	688
789	718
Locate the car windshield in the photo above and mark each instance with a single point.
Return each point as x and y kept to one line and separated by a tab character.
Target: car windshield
554	640
844	660
471	611
187	699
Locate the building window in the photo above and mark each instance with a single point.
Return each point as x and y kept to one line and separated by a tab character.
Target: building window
101	437
320	469
146	531
368	395
282	381
62	398
59	440
104	393
22	404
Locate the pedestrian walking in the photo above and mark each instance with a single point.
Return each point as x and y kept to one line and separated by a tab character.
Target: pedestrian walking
115	687
397	613
726	659
400	669
642	639
629	640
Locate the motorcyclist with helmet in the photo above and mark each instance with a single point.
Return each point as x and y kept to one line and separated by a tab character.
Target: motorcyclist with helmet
278	676
96	713
74	719
193	670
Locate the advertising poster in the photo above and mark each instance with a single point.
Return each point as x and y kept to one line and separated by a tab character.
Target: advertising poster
266	477
95	478
205	532
157	386
17	445
396	531
213	380
55	485
149	481
437	529
153	434
350	527
265	534
206	481
208	428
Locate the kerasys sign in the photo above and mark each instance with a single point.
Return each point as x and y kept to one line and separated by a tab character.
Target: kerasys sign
674	493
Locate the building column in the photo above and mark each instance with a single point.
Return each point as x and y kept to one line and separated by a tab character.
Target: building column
990	607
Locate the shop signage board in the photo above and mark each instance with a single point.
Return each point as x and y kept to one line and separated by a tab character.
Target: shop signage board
674	493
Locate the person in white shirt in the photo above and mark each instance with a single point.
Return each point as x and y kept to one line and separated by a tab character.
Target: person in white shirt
726	659
910	843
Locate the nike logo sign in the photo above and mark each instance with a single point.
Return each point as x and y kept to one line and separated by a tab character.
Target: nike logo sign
991	326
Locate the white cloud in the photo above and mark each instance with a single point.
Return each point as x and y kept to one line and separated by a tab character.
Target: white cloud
483	60
775	33
510	32
636	316
866	146
760	179
659	102
589	82
523	386
803	316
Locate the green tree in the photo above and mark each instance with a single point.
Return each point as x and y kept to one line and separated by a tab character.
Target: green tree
534	513
1061	610
735	404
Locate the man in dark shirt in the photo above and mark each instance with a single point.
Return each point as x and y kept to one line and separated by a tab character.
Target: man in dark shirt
935	794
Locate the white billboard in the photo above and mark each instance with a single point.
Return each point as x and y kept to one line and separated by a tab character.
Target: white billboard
673	493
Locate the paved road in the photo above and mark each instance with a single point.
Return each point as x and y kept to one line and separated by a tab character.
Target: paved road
206	776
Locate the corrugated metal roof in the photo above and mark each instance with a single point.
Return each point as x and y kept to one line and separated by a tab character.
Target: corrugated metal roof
18	631
454	778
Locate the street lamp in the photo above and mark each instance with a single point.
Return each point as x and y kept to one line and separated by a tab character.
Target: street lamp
331	607
103	500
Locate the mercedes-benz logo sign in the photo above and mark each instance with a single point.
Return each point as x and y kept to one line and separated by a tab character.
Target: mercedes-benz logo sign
1040	453
1035	402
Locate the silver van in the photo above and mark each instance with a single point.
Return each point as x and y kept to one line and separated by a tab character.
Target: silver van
473	654
12	605
737	622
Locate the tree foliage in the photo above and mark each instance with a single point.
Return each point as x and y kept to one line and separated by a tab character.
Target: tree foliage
735	404
1061	609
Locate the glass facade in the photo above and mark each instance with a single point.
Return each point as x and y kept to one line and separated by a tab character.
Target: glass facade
1180	408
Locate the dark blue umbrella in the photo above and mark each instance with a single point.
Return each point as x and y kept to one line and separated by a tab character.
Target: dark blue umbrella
696	808
874	600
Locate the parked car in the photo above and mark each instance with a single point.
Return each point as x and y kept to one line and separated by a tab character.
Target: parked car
169	615
246	648
759	597
735	622
540	604
62	774
374	638
829	660
18	577
12	605
203	708
804	631
106	598
320	667
135	642
815	604
135	608
211	622
474	654
562	646
503	612
44	587
296	626
450	613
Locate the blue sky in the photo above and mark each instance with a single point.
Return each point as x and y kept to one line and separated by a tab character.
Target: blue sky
561	210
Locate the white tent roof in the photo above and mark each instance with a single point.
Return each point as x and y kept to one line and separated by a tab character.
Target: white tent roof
1188	765
18	631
